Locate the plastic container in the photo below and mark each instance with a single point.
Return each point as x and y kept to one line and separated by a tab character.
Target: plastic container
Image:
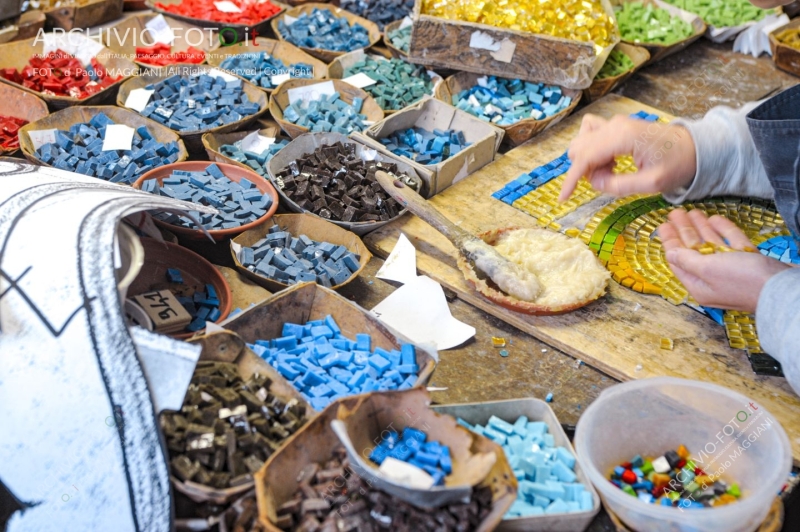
724	431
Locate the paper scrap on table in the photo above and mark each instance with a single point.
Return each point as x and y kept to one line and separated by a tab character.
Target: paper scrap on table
159	30
401	266
419	311
138	99
359	80
40	137
755	39
118	137
313	92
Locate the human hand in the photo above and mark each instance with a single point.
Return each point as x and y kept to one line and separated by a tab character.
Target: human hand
664	156
731	280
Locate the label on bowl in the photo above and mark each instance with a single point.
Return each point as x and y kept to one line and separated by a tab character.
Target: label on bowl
360	80
256	143
138	99
227	6
310	93
118	137
41	137
160	30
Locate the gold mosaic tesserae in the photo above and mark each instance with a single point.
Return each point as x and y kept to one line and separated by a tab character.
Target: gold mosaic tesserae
577	20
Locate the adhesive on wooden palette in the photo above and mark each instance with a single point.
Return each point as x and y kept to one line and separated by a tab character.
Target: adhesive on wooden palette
80	150
324	365
238	203
545	472
260	68
323	30
505	102
288	259
674	480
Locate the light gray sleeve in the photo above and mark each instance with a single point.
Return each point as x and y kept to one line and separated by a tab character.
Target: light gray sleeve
778	322
727	159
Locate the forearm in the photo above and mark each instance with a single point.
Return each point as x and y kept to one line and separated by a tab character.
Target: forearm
778	322
727	160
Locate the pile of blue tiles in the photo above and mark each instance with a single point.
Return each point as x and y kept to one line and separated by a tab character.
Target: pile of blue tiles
381	12
198	102
256	161
412	448
238	203
80	150
541	175
505	102
425	147
324	366
281	257
202	305
259	67
324	31
326	114
547	481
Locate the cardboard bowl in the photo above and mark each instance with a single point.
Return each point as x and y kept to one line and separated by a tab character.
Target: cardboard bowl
327	55
314	228
600	87
22	104
234	173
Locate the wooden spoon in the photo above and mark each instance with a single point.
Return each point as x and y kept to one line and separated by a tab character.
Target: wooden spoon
513	280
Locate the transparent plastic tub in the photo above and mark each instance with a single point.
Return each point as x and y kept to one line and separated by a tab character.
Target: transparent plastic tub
724	431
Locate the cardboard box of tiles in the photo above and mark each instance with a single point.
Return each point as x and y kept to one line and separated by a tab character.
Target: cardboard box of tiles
623	234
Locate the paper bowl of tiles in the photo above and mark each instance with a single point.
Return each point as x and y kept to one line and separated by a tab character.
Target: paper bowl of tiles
488	289
65	118
525	129
276	483
196	272
232	172
286	52
17	103
338	66
16	54
600	87
279	100
119	38
311	141
242	30
314	228
652	416
395	51
213	143
660	51
328	55
193	138
534	410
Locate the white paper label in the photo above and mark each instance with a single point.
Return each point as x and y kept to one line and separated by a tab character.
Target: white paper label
118	137
277	79
360	80
138	99
500	50
80	46
41	137
226	6
256	143
160	30
289	20
222	74
313	92
406	23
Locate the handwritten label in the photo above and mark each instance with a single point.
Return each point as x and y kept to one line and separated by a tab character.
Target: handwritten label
160	30
277	79
41	137
309	93
500	50
118	137
163	308
226	6
360	80
138	99
256	143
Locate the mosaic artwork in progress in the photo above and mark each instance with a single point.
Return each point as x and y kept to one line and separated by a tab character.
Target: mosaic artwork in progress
623	235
